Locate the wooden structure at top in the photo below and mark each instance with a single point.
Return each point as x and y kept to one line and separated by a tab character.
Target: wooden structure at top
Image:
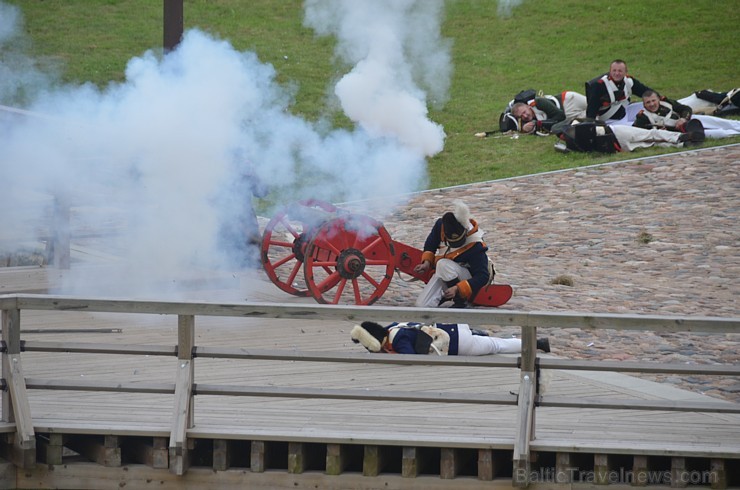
266	395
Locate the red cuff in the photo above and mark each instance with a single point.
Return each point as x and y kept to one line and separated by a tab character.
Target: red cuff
464	289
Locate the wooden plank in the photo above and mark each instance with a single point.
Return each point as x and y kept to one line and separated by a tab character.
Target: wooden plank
679	474
482	317
11	337
307	420
344	394
449	464
373	460
486	464
105	451
525	413
258	459
29	279
602	469
152	452
563	468
363	358
59	245
529	349
49	450
411	462
335	459
95	348
15	404
662	405
21	409
100	386
221	455
179	460
639	367
297	457
89	475
640	470
183	415
718	474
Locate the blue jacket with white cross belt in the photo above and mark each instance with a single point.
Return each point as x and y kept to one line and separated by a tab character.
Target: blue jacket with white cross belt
407	337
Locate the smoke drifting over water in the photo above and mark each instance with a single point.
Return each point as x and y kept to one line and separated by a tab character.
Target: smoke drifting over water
169	156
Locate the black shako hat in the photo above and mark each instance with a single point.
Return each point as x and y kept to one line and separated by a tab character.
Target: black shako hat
455	232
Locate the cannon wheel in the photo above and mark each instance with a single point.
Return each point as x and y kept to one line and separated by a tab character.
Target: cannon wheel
285	239
349	260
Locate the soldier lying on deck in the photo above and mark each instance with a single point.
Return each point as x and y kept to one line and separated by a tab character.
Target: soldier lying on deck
454	339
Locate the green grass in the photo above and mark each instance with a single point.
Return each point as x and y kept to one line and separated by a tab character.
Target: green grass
675	47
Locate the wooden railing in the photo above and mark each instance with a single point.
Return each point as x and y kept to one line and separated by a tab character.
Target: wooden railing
16	408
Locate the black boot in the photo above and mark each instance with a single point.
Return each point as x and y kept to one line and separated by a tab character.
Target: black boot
543	344
694	134
458	302
734	97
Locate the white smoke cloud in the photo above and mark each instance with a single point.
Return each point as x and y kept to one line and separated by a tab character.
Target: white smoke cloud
397	54
505	7
19	75
164	162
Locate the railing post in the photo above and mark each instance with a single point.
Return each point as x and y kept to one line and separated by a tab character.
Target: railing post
58	247
15	405
525	413
184	406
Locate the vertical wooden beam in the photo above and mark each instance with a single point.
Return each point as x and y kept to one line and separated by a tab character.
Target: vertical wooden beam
373	460
679	476
521	461
153	453
50	451
601	469
221	455
183	410
258	458
160	453
335	459
486	468
717	474
529	348
15	405
107	453
61	235
410	463
563	468
174	21
111	451
449	463
640	470
297	457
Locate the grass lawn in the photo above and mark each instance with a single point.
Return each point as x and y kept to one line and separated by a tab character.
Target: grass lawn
552	45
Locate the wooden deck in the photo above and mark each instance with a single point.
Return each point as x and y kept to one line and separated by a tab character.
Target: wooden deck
581	438
339	420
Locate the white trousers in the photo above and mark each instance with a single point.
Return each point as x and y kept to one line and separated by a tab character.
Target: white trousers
631	138
479	345
698	106
446	270
574	105
717	127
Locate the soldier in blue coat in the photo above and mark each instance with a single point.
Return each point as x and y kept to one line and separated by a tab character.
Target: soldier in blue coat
454	339
455	250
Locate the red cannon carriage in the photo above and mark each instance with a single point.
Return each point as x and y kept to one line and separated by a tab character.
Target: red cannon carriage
312	248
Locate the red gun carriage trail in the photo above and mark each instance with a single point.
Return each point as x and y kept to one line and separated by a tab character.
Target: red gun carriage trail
313	248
